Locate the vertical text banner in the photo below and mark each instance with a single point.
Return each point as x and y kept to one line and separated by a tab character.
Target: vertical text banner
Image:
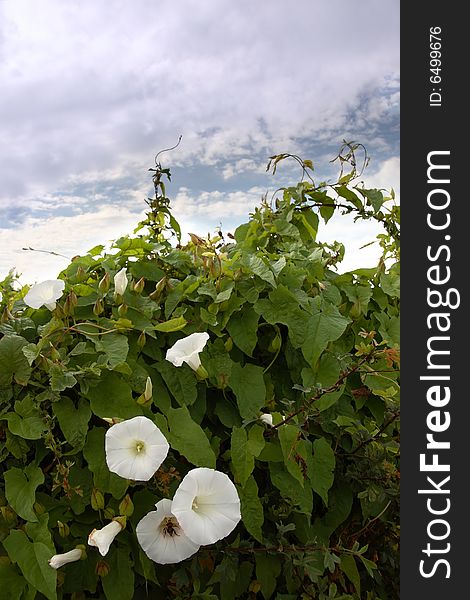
435	456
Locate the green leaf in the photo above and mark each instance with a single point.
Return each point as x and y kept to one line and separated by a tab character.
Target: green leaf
242	459
61	379
340	504
243	329
349	568
40	532
175	324
256	441
248	385
94	454
323	466
390	283
112	397
283	307
258	267
348	194
73	421
252	509
325	325
20	490
268	569
14	364
29	428
32	558
115	348
188	438
181	382
375	198
119	583
12	583
288	438
359	295
290	488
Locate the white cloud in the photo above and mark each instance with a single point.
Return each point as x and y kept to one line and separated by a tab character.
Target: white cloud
68	236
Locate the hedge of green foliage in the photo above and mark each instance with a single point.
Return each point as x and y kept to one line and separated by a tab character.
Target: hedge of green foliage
289	337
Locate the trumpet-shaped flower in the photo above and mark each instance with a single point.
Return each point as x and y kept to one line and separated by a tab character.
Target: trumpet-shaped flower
206	505
187	350
162	538
120	282
45	294
103	538
58	560
135	448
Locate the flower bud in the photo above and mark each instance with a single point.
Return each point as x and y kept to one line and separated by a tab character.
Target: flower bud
6	315
98	307
104	283
55	354
102	568
139	286
148	389
141	340
155	295
120	282
126	506
80	275
64	529
109	513
122	310
97	499
39	508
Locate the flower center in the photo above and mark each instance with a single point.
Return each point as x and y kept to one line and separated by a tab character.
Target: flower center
195	505
169	526
139	447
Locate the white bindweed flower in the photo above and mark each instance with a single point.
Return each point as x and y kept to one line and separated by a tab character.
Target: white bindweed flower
135	448
45	294
162	537
103	538
120	282
148	389
206	505
267	418
1	296
58	560
187	350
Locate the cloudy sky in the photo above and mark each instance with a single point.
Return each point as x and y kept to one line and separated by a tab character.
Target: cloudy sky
91	91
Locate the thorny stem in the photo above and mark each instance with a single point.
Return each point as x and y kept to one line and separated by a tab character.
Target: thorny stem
321	392
383	427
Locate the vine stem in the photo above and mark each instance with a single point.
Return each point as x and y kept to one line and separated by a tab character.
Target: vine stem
321	392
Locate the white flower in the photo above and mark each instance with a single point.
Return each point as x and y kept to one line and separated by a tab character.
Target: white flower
187	350
102	538
135	448
58	560
161	536
1	296
267	418
206	505
120	282
45	294
148	389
